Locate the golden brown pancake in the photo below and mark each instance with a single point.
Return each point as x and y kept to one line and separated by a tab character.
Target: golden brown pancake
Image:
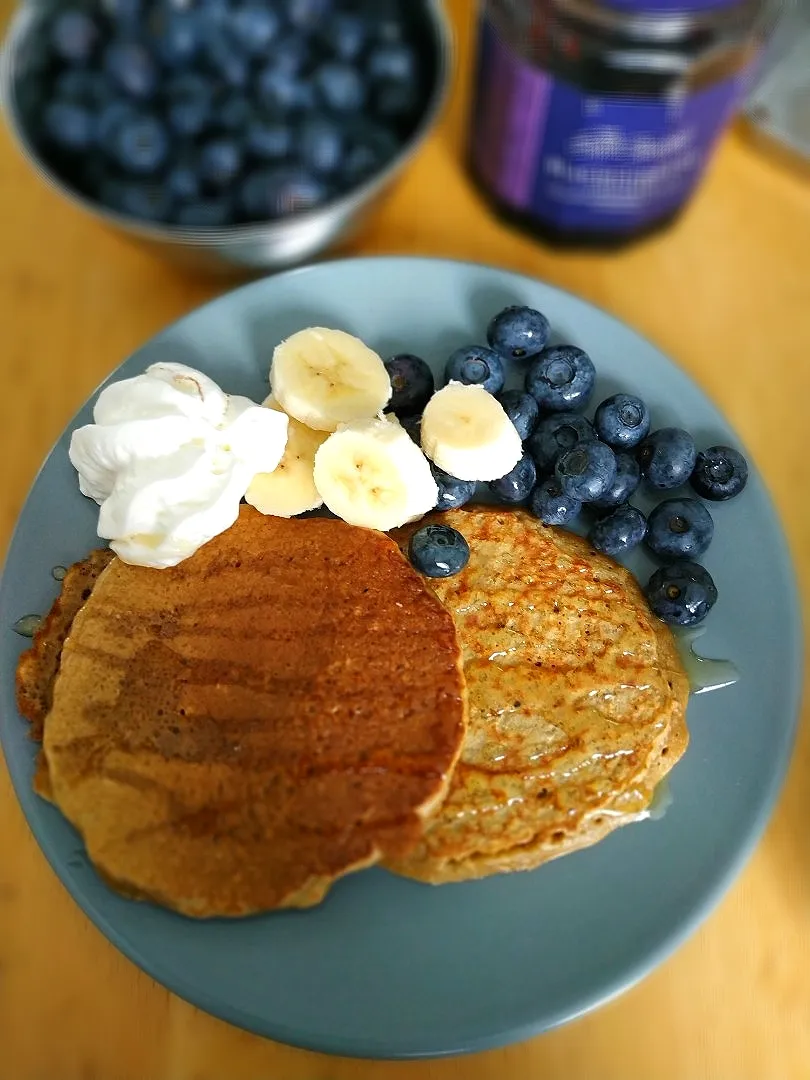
577	700
233	734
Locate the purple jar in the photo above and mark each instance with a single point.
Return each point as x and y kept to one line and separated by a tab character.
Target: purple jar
593	122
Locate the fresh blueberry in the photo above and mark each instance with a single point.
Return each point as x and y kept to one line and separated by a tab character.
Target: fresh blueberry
518	332
269	140
340	87
74	36
234	114
82	87
561	377
69	125
453	493
141	145
346	34
220	162
292	53
125	13
178	38
227	61
682	594
396	62
413	425
393	100
371	147
282	90
320	144
619	531
551	505
307	14
521	409
189	103
628	477
412	383
183	182
272	193
720	473
554	434
144	201
667	458
622	421
255	25
517	485
438	551
680	529
587	472
111	118
131	67
206	213
476	365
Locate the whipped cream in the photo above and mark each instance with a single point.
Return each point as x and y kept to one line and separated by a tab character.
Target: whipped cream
169	458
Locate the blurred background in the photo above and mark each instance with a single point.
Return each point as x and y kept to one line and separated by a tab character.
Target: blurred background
649	155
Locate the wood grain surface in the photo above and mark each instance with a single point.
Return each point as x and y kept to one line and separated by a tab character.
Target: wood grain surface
727	295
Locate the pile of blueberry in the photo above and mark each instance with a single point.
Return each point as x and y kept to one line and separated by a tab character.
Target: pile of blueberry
571	464
207	113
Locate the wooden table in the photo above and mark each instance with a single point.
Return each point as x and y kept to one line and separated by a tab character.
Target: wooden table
727	294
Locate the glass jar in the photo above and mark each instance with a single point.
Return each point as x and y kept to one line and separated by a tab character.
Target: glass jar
592	123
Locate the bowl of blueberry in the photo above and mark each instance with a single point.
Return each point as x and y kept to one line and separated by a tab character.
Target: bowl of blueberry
252	134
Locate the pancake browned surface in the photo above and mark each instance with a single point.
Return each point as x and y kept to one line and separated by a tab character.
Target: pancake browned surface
234	734
577	700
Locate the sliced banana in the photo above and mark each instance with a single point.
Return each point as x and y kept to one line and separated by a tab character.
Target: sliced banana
324	378
371	474
290	489
466	432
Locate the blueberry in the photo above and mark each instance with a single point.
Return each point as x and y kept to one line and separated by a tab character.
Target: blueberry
292	54
521	409
619	531
516	485
227	61
720	473
346	34
74	36
518	332
81	87
554	434
682	594
189	103
320	144
628	477
476	365
413	425
412	383
126	13
206	213
178	39
69	125
371	147
131	66
111	118
622	421
680	529
307	14
551	505
587	471
283	90
234	114
396	62
269	140
141	145
183	182
220	162
144	201
453	492
254	25
394	100
667	458
272	193
561	377
438	551
340	87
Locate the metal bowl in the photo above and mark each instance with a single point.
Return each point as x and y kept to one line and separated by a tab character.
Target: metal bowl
273	245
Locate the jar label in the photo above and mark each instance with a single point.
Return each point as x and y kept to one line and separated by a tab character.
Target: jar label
580	160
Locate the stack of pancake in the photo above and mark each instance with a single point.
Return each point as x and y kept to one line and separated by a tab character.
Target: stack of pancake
294	703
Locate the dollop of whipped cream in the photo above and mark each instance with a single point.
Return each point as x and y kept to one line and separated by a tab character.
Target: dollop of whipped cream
169	458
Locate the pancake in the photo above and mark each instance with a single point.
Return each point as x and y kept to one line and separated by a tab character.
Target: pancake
234	734
577	700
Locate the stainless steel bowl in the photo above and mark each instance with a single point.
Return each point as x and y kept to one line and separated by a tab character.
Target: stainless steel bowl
273	245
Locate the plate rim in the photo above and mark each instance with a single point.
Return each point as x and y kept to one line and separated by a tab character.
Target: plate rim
698	909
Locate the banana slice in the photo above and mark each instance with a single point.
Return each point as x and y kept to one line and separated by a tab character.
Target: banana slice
466	432
324	378
371	474
290	489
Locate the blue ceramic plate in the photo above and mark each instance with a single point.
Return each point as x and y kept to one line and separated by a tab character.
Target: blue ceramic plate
388	967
